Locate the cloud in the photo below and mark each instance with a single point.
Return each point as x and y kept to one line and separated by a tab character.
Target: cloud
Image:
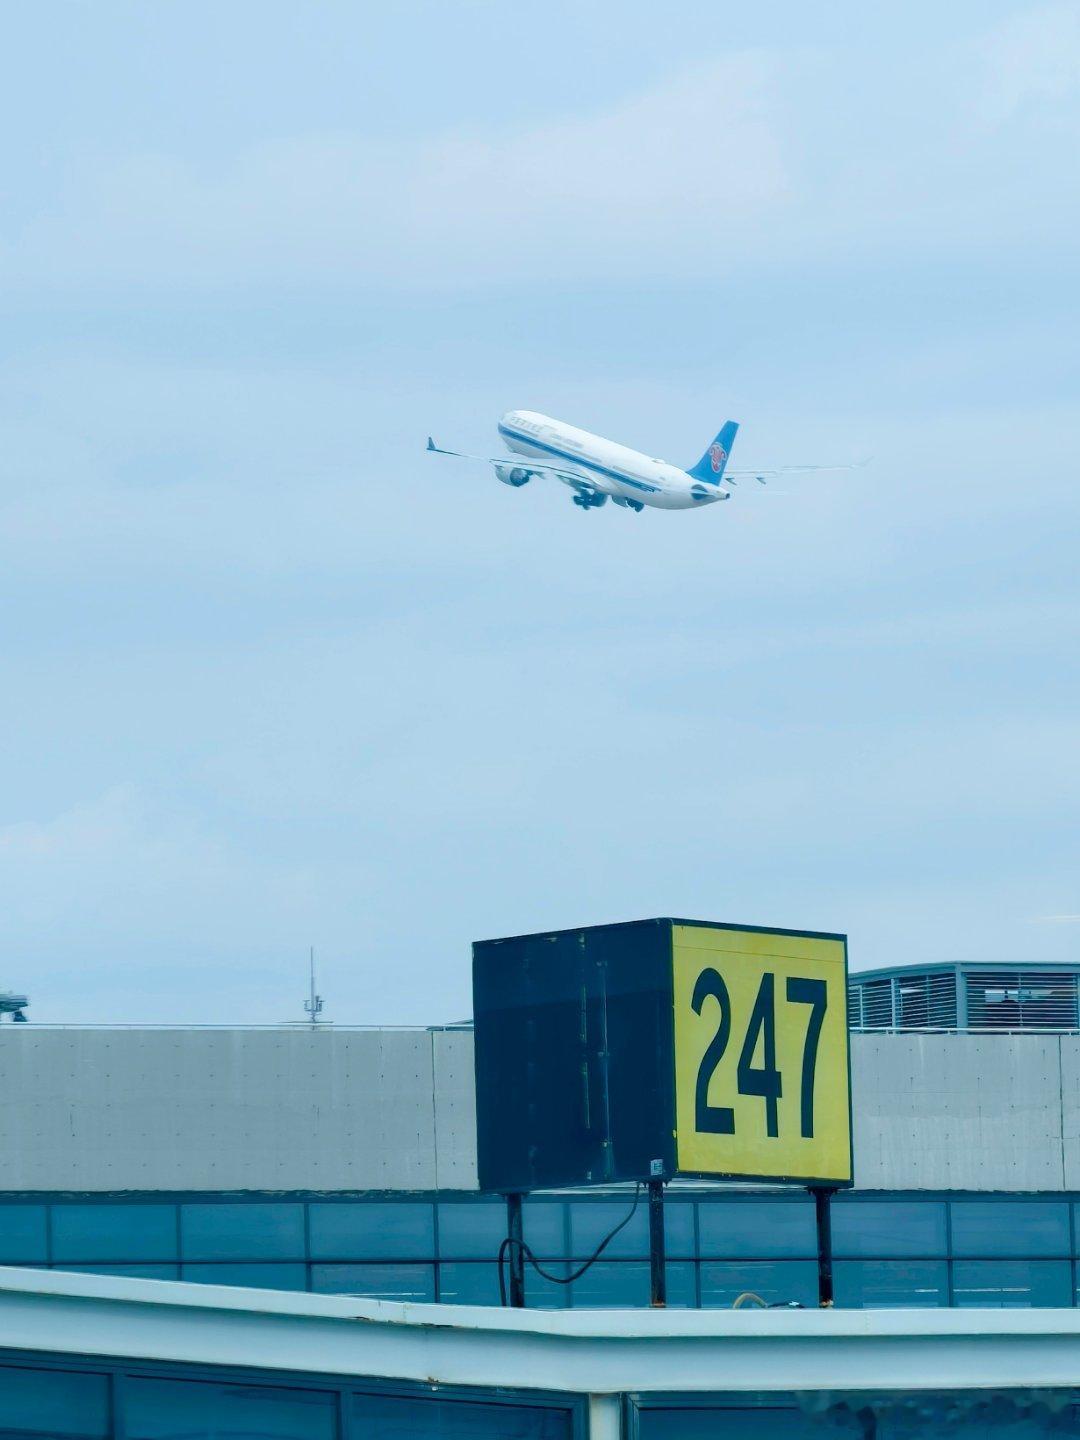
84	833
126	867
278	677
1030	63
688	166
751	159
758	157
127	907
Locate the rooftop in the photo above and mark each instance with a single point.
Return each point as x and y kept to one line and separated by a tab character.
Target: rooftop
967	996
601	1352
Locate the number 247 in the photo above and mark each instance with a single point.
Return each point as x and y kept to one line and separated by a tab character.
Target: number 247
765	1079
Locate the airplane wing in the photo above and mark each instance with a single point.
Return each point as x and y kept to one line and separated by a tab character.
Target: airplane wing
517	462
762	476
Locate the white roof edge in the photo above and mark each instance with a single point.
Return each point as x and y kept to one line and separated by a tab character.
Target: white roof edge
579	1352
633	1323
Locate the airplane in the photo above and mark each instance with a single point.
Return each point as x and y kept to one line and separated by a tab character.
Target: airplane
598	470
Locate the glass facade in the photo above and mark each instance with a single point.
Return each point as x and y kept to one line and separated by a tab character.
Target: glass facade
40	1401
178	1409
705	1421
58	1397
902	1250
53	1402
988	1415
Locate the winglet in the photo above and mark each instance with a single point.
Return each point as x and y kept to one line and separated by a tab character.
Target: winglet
431	444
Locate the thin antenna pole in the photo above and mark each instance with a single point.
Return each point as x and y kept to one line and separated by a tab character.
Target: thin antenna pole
314	1003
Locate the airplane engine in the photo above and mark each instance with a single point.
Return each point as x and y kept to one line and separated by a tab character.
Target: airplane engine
513	475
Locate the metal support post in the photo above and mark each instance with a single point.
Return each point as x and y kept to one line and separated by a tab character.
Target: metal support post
515	1254
823	1216
657	1256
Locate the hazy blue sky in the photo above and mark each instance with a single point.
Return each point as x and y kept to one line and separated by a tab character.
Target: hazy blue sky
274	677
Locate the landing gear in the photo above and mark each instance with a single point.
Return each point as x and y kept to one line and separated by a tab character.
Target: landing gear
586	500
628	504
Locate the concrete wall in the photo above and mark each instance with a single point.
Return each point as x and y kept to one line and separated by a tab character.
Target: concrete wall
220	1109
384	1109
962	1112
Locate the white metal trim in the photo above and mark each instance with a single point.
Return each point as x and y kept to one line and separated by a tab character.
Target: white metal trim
579	1352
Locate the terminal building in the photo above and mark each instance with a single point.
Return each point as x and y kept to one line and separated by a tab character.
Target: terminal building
312	1165
343	1161
102	1358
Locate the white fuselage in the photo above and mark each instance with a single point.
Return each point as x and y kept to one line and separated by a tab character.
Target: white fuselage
626	475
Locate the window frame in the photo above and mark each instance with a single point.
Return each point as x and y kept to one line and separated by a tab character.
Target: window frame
553	1208
342	1387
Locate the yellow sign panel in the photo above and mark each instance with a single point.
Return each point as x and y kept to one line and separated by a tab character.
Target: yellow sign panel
762	1085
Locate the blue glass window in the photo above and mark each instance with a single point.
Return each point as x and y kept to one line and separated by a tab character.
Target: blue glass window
1011	1284
197	1410
257	1231
403	1417
260	1275
543	1223
470	1282
775	1281
22	1235
679	1237
133	1272
543	1294
891	1284
114	1232
1010	1227
53	1403
590	1221
380	1282
372	1230
710	1422
758	1229
469	1231
624	1284
888	1229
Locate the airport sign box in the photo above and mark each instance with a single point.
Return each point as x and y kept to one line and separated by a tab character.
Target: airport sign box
761	1054
719	1051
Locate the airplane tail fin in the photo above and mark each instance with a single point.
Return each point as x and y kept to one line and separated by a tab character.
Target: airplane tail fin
711	465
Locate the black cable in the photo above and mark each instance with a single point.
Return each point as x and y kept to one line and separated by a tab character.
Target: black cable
526	1251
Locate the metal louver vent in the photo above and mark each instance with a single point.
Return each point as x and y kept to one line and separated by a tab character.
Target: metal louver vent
1021	1000
965	998
872	1007
927	1001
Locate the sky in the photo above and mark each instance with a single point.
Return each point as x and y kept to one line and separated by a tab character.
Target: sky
275	678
